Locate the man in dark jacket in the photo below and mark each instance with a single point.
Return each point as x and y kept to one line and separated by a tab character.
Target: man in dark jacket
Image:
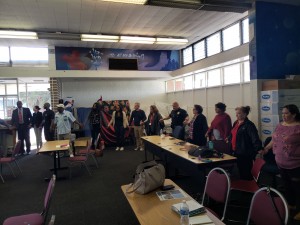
21	120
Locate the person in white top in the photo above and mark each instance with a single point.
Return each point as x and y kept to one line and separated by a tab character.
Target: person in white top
119	122
62	121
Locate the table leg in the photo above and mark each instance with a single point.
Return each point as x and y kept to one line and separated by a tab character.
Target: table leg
145	153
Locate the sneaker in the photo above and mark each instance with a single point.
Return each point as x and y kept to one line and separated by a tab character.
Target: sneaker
141	149
117	149
122	149
71	155
137	148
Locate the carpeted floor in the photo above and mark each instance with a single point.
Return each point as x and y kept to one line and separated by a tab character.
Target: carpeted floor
85	200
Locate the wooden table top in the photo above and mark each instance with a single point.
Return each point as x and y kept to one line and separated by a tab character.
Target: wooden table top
80	143
51	146
162	142
151	211
180	150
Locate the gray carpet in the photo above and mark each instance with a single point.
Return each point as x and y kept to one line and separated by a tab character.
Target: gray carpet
88	200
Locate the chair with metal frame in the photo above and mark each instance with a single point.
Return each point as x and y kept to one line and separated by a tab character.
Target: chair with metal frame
268	209
217	188
91	152
12	159
80	160
35	218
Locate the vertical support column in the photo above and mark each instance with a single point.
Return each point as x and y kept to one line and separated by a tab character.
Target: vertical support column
55	91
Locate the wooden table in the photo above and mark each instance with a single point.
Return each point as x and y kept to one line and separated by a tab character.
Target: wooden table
171	152
149	210
55	147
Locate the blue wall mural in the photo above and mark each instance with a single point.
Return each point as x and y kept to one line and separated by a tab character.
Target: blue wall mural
97	59
277	44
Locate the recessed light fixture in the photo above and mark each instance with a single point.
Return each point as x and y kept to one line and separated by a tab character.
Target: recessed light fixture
18	34
139	2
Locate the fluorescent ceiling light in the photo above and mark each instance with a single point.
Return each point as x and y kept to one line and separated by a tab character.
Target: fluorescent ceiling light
18	34
139	2
99	38
137	40
171	41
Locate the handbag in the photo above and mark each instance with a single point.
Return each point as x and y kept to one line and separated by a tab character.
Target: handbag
148	177
204	152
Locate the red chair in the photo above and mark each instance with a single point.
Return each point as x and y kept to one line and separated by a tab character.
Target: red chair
91	152
266	209
12	159
217	187
250	186
34	218
80	160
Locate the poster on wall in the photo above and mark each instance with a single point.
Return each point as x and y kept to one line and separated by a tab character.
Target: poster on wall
70	58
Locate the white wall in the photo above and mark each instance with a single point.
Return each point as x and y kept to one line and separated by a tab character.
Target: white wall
231	95
86	92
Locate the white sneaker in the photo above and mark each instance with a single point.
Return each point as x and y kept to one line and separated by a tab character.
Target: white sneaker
137	148
141	149
117	149
71	155
122	149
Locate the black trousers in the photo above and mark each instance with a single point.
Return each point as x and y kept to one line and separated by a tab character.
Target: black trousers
24	135
244	164
120	132
49	135
95	130
291	180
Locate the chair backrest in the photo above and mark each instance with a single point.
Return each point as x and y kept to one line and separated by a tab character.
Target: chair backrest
263	211
48	196
17	148
257	165
177	132
217	187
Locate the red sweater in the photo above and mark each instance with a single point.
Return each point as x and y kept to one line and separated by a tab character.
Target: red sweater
221	122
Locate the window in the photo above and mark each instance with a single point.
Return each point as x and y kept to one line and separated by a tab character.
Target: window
214	78
214	44
170	86
4	55
245	30
2	89
246	70
199	80
187	55
232	74
179	84
11	89
199	50
29	56
231	37
188	82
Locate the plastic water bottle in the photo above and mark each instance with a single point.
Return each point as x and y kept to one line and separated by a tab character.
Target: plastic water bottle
184	213
210	145
162	135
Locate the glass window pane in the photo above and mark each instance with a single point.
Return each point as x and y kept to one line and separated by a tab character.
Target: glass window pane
245	25
200	80
232	74
11	89
2	89
179	84
246	71
187	55
170	85
214	77
22	94
231	37
214	44
199	50
4	55
32	56
188	82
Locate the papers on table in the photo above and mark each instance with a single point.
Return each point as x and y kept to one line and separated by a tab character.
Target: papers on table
171	194
62	146
200	219
194	207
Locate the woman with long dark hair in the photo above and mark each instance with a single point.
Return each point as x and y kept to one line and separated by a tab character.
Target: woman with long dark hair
286	147
95	122
120	122
153	125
